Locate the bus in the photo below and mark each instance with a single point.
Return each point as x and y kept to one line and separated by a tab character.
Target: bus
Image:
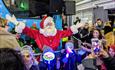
20	9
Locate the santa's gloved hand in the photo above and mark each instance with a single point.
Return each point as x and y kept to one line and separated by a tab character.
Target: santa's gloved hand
19	24
19	28
74	28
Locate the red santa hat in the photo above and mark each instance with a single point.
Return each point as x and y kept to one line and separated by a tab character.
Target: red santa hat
45	21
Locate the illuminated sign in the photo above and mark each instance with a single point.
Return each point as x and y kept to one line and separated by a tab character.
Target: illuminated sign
48	56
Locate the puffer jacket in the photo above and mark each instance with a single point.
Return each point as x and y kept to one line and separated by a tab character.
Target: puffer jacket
8	40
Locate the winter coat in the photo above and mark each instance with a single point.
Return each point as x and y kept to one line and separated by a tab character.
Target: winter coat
8	40
109	63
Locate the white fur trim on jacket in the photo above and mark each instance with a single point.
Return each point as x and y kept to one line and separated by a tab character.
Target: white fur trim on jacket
74	29
19	28
41	31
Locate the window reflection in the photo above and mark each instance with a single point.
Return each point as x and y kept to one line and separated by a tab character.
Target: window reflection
20	8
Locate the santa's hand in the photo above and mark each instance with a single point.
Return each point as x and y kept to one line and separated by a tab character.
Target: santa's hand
74	28
19	24
19	28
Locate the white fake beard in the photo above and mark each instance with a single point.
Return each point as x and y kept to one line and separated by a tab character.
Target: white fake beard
48	32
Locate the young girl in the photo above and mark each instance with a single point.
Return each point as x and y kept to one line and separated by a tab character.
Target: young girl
96	43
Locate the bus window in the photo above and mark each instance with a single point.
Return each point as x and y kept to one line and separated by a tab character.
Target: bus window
27	8
20	8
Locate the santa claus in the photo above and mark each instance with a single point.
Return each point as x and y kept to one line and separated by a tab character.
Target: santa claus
47	35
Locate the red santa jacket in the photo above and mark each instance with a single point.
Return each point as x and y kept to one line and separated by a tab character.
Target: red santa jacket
51	41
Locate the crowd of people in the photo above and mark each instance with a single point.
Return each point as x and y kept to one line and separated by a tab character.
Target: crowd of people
94	40
89	52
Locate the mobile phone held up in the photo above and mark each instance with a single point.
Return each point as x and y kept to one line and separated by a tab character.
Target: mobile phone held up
95	45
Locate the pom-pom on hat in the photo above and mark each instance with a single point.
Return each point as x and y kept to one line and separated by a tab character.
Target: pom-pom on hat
45	21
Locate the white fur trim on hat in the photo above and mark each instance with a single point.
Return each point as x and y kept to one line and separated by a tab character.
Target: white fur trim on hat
47	20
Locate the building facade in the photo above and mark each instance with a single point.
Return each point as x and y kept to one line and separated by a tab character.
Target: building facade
90	10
